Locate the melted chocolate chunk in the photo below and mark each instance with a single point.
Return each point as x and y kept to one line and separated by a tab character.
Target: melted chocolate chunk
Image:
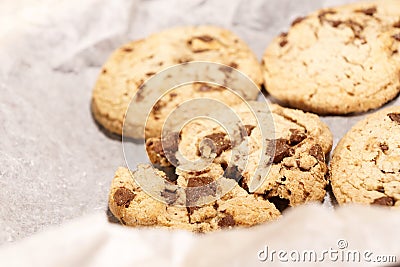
394	117
249	129
123	197
316	152
170	196
368	11
297	20
127	49
220	143
227	221
171	143
282	150
384	201
296	136
396	36
199	187
232	172
205	38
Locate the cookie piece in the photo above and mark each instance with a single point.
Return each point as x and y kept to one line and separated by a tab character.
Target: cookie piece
337	60
365	167
131	65
297	172
167	208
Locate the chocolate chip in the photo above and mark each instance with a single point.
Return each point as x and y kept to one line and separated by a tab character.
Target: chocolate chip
283	34
184	60
170	196
297	20
316	152
155	146
104	71
232	172
280	203
234	65
225	69
199	187
127	49
249	129
396	36
394	117
323	13
397	24
227	221
150	73
199	181
296	136
282	150
334	23
191	210
158	106
123	197
283	42
171	145
384	147
203	87
384	201
220	143
367	11
205	38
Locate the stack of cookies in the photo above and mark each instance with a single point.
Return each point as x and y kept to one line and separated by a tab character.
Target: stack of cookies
335	61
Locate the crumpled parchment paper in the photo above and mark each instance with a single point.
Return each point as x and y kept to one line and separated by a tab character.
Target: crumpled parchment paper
56	164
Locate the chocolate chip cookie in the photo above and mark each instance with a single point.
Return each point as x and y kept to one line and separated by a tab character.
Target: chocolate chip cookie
293	174
365	167
131	65
175	208
337	60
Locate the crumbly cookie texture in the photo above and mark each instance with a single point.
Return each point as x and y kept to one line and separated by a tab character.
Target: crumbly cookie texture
365	167
297	172
337	60
131	65
166	208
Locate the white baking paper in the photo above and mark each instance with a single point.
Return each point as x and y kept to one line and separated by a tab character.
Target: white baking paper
56	164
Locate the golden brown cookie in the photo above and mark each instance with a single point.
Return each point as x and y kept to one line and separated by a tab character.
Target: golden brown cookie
164	207
131	65
337	60
365	167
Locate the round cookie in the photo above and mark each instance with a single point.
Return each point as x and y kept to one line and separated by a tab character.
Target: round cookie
365	167
297	172
131	65
337	60
134	207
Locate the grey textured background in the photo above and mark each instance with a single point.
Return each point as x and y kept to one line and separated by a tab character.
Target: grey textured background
55	162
